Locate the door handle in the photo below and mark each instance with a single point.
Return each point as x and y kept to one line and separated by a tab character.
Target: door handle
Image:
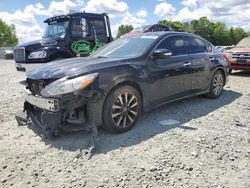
211	58
187	64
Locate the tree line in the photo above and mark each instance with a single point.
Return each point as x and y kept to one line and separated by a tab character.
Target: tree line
8	36
215	32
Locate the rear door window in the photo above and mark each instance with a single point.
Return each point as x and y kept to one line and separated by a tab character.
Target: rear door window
195	45
175	44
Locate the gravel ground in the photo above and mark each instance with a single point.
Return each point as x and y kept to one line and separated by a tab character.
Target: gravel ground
195	142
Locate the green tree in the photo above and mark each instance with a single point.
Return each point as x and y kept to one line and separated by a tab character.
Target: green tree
236	34
8	36
123	29
215	32
202	27
176	25
232	36
219	34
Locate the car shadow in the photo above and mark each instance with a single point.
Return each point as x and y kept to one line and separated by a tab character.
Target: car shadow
148	125
241	73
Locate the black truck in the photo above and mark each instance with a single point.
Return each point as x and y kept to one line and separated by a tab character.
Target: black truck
71	35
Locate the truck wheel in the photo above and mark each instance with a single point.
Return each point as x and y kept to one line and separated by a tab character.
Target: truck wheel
216	85
121	109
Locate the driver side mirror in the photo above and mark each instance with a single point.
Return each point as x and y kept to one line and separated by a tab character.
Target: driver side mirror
162	54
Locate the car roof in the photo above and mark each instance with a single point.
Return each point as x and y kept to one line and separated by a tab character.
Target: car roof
164	33
84	14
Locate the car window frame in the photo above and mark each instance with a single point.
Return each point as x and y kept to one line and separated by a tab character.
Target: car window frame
206	43
161	40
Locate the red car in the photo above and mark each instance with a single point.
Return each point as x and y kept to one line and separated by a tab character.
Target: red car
149	28
239	56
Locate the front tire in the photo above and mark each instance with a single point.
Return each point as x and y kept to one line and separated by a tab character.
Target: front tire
121	109
216	85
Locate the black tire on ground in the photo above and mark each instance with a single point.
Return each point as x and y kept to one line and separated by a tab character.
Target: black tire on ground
216	85
121	109
230	71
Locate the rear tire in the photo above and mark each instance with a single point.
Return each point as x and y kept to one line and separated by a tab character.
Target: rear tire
216	85
121	109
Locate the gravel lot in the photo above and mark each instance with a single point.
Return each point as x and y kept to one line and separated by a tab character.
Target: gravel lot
209	147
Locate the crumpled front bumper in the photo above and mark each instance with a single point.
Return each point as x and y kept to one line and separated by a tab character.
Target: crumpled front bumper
44	115
49	104
31	118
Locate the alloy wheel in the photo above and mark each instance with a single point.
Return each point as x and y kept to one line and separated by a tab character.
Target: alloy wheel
218	84
125	110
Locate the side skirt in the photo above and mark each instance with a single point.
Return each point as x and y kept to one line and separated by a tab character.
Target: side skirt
151	107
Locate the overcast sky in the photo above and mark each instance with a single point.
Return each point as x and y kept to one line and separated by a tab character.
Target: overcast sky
28	15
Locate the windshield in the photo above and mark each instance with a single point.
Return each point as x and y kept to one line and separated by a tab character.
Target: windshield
244	43
142	28
56	29
127	47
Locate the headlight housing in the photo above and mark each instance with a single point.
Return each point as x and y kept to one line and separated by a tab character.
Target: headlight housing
38	55
65	85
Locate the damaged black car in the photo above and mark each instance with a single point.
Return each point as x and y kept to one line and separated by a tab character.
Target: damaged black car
115	84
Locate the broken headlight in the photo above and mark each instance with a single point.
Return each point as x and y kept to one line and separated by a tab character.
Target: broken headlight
65	85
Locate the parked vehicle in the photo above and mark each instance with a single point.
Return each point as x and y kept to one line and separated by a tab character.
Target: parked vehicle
223	48
149	28
239	56
8	54
124	78
71	35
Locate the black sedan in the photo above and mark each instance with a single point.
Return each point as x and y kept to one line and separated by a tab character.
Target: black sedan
122	79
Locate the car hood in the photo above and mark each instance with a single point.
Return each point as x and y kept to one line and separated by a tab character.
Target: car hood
39	43
73	67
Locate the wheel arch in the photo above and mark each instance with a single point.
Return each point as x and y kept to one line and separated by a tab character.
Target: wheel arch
96	113
125	81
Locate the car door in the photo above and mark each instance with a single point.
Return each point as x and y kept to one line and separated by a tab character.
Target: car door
170	78
201	60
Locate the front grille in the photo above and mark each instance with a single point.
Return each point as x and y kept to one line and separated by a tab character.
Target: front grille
241	55
19	54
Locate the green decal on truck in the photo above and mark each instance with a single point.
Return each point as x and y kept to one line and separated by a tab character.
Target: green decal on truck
83	47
